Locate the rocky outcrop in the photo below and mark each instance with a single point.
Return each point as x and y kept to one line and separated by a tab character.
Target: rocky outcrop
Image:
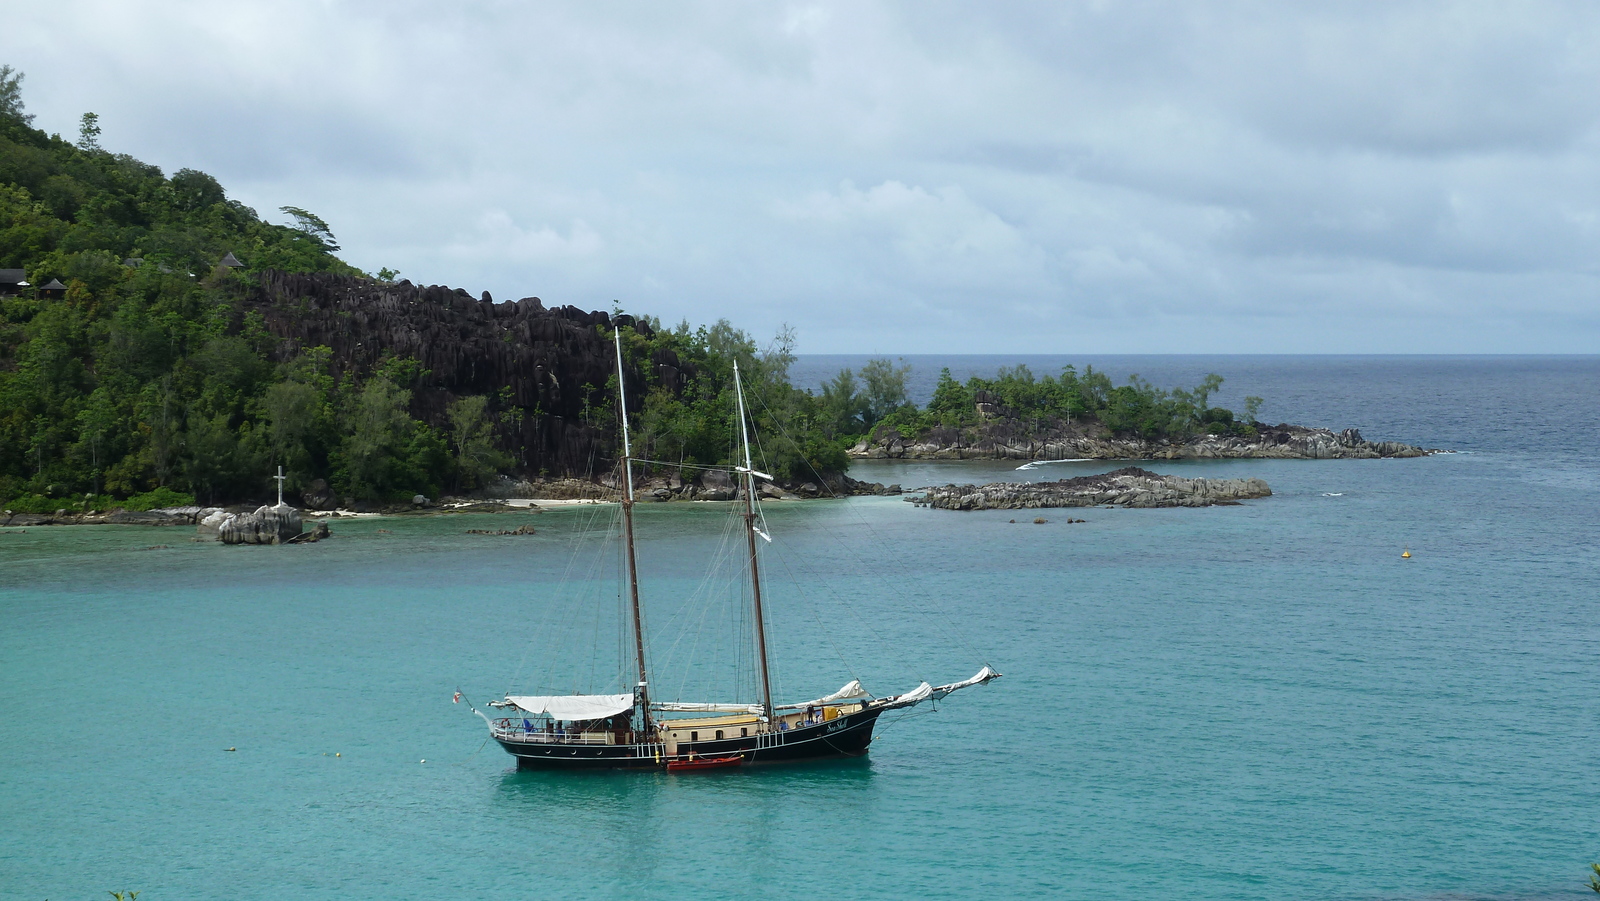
1127	487
267	525
547	368
1008	440
519	530
317	533
168	516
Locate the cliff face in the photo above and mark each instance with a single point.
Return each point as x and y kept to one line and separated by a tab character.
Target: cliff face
553	361
1008	440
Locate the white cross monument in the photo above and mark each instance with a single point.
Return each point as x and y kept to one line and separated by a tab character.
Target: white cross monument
280	477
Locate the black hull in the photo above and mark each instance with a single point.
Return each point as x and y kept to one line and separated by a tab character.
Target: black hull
847	736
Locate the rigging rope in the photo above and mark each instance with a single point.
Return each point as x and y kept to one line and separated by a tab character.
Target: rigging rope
938	618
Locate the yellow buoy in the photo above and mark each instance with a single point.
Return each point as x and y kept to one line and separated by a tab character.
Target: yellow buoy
1406	554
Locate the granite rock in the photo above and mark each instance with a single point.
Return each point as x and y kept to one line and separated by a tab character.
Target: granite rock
1126	487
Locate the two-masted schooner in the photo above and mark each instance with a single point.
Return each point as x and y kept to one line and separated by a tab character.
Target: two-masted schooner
631	731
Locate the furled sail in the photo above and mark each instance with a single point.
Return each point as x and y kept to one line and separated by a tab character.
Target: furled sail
925	691
984	675
852	691
695	707
574	707
911	698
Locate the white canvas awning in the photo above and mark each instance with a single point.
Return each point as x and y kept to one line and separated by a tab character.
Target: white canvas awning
574	707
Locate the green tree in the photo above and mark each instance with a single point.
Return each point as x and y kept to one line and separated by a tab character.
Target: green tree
387	453
1203	391
472	437
210	457
193	190
885	389
952	402
96	421
11	95
379	425
159	420
297	414
313	227
89	133
843	408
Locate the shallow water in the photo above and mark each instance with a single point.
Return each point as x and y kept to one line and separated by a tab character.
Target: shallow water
1262	701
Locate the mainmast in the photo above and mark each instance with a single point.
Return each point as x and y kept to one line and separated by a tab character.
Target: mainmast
750	536
627	534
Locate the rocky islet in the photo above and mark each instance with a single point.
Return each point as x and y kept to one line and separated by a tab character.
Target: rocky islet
1126	487
1008	439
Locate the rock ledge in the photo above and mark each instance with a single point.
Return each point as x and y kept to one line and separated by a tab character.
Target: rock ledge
1126	487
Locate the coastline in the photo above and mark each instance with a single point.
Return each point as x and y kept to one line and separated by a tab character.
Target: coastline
992	441
1010	440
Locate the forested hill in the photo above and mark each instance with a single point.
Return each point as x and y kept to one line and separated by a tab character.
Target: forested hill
155	369
160	372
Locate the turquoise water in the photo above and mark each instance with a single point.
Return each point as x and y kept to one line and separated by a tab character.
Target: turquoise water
1262	701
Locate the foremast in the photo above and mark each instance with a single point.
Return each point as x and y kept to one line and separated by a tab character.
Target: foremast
627	536
750	533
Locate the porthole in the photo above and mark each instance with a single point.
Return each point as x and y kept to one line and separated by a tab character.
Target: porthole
719	733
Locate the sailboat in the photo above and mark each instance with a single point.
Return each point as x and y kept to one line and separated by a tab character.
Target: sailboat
630	730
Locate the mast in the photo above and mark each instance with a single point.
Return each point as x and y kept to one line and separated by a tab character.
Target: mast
627	533
750	537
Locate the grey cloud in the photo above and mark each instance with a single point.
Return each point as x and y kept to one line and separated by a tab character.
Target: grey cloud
1094	176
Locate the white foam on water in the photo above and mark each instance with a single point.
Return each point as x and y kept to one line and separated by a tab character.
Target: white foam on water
1035	464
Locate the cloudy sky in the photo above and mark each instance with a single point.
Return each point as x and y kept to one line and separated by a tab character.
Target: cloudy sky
907	177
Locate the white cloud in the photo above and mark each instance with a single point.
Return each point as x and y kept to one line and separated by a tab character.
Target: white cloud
497	237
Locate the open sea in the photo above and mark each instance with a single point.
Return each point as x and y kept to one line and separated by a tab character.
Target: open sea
1254	702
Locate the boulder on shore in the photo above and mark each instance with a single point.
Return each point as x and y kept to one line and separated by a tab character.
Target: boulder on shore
1126	487
318	496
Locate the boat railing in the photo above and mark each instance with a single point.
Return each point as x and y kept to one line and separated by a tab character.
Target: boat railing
510	730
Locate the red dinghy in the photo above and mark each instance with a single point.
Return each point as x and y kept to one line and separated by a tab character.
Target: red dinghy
703	763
